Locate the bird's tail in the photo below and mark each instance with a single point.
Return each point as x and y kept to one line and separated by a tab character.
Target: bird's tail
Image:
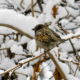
62	40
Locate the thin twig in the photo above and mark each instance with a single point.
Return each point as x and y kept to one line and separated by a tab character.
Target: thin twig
39	4
21	4
74	49
72	57
20	31
62	29
10	70
72	6
67	63
64	16
27	10
28	55
20	73
57	66
70	67
9	2
67	13
75	71
70	61
69	39
8	34
30	5
32	8
10	47
20	64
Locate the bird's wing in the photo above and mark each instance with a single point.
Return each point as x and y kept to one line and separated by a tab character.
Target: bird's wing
54	36
44	36
52	32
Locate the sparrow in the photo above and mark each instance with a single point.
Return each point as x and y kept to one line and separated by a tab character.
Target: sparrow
45	37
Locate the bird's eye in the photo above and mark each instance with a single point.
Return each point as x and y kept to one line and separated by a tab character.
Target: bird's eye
46	34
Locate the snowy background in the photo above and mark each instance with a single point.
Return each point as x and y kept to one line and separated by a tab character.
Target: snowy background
18	46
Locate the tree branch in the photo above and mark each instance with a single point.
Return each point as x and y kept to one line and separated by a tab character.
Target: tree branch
9	2
20	64
20	31
21	4
57	66
32	8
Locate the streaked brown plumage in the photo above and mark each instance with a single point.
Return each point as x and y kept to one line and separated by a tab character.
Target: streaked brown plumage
45	37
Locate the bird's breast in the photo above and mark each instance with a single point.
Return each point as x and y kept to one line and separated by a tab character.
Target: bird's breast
46	45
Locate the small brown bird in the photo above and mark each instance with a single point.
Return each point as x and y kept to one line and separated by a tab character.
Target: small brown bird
45	37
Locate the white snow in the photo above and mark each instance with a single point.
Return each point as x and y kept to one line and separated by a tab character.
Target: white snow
64	68
70	2
25	60
60	10
70	35
31	46
45	69
17	49
50	4
72	11
71	77
41	18
24	23
21	77
5	30
24	39
28	71
79	53
1	71
8	44
70	25
7	64
64	22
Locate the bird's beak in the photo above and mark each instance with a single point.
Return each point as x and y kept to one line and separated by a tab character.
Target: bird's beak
33	29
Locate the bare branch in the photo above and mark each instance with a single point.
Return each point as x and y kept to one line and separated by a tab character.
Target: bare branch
32	8
20	73
20	31
67	13
28	55
20	64
10	47
62	29
9	2
38	1
21	4
57	66
69	39
76	71
8	34
70	61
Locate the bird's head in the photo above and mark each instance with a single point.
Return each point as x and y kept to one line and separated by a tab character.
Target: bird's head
39	26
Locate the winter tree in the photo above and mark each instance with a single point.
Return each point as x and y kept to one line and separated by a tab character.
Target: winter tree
21	58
